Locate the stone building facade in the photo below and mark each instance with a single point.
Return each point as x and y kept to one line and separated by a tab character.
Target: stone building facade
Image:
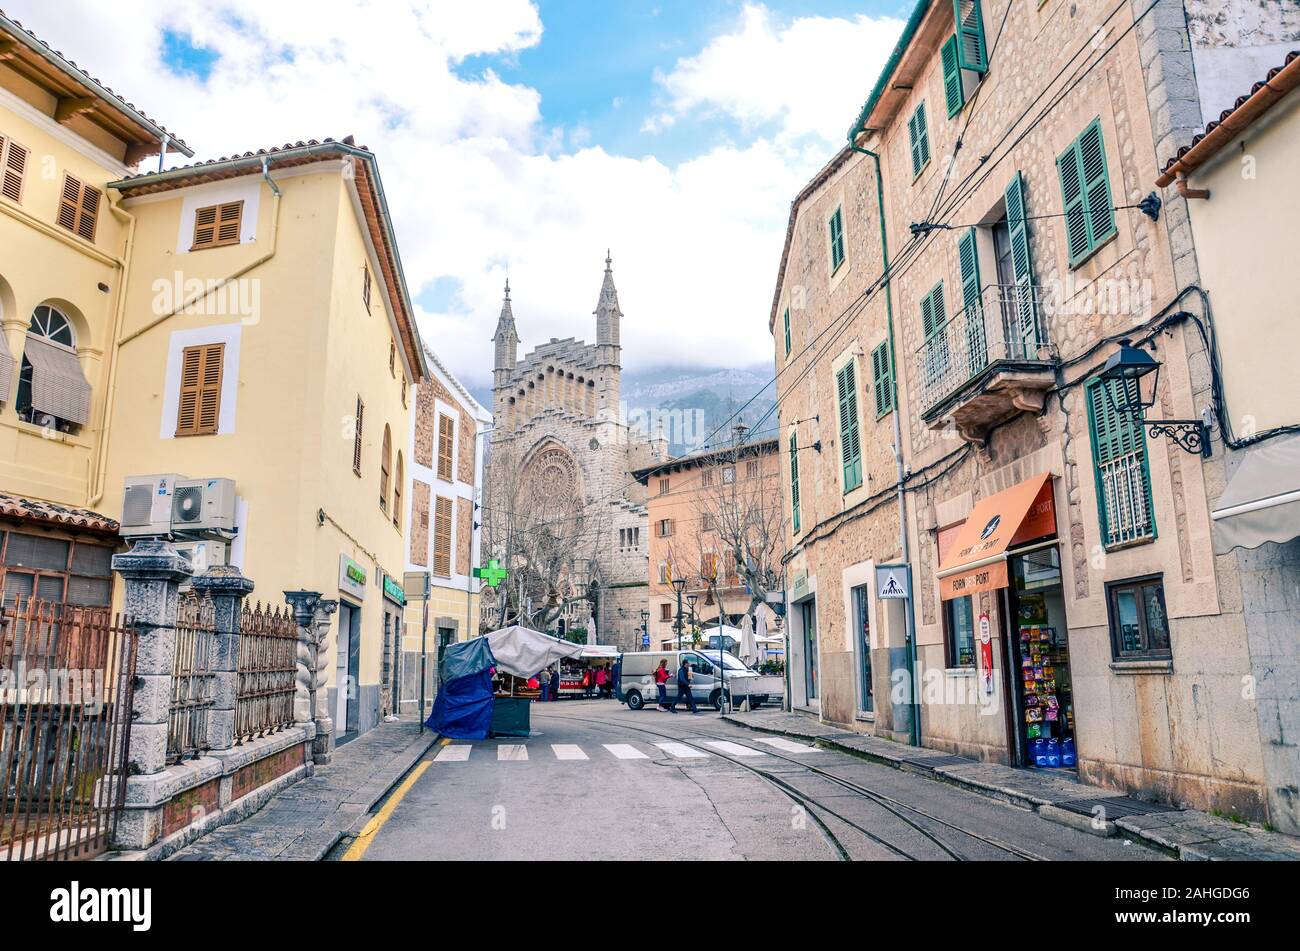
446	450
1015	144
557	415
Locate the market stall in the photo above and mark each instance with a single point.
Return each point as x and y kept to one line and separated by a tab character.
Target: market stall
481	694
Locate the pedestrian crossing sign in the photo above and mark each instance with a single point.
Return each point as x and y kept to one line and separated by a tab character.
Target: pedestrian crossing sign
893	583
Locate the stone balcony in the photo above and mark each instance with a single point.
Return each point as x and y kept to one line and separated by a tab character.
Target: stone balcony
986	363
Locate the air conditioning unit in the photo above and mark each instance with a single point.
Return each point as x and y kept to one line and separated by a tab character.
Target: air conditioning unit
204	505
204	555
147	505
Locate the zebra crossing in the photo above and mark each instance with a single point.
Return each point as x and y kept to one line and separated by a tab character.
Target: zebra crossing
454	753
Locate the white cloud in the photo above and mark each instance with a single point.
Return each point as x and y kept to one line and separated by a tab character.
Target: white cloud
807	76
477	182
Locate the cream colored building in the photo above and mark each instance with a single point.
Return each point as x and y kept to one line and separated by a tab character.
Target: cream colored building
447	442
66	256
268	338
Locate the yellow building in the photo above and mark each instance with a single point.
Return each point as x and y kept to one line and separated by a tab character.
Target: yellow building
268	338
65	253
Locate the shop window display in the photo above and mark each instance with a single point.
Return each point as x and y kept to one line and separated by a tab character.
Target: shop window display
1047	698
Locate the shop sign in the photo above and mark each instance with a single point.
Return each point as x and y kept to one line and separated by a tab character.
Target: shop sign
800	588
986	652
352	578
987	578
393	591
893	583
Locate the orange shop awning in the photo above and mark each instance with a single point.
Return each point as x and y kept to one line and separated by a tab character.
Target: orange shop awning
977	558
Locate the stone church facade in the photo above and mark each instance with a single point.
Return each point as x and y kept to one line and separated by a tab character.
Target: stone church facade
557	412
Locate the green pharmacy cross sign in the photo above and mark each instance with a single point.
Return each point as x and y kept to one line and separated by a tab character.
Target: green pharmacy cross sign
493	574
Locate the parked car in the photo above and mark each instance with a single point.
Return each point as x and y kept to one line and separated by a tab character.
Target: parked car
634	678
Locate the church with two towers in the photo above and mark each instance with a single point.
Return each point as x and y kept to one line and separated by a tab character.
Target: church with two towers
560	423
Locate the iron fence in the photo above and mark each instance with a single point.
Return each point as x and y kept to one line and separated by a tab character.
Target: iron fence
193	686
268	650
66	682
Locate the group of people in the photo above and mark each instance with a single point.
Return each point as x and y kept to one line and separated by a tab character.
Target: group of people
684	694
597	681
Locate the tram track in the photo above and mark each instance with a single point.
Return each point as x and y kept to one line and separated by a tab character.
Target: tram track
893	806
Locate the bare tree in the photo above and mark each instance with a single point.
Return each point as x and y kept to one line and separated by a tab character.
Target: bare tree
740	520
546	536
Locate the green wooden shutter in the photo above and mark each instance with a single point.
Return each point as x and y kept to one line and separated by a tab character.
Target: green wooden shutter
953	92
933	318
1085	189
972	52
837	238
794	479
787	331
920	136
1022	265
850	440
1096	185
977	352
1123	498
882	372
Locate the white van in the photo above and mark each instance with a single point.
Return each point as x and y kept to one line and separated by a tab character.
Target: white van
634	682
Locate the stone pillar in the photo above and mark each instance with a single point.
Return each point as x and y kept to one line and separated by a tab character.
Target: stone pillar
227	588
152	571
311	699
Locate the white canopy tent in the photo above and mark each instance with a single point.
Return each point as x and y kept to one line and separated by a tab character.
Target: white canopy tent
523	653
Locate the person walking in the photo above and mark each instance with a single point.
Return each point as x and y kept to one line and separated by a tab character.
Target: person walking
555	683
601	677
661	684
544	685
684	695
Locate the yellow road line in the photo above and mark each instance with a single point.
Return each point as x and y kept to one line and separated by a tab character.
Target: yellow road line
358	848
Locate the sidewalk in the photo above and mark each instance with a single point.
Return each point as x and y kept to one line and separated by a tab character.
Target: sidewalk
306	820
1189	835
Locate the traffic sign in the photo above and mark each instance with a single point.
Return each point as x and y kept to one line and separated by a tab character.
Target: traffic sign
893	582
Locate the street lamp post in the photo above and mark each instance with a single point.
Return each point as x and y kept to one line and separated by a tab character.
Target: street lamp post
690	608
679	585
723	702
645	630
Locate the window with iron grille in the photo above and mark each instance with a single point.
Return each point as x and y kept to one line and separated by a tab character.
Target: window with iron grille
58	570
217	226
1139	624
1119	451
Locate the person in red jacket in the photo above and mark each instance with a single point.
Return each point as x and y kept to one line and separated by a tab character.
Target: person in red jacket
662	676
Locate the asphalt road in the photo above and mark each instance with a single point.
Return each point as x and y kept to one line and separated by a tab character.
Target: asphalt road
596	781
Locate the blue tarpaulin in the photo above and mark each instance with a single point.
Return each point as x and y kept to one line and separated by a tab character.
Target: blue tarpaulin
463	708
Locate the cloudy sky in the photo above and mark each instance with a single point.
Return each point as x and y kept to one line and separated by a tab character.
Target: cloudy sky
529	136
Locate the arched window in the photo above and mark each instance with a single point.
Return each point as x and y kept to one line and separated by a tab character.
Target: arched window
385	461
52	390
399	476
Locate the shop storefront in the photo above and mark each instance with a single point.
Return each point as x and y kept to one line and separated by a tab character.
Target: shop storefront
1008	548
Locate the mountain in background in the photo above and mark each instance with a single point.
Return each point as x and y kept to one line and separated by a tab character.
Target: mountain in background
695	406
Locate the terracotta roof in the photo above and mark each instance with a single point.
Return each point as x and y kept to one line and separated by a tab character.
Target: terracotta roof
1227	114
13	506
93	85
145	183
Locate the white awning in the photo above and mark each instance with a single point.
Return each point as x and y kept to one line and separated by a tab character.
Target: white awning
58	385
1262	501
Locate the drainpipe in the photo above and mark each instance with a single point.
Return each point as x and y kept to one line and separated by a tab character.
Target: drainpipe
275	237
914	719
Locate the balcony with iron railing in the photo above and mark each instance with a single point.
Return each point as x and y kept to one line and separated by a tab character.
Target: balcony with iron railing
986	363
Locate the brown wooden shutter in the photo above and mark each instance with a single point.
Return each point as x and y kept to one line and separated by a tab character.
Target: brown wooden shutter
442	538
356	439
217	226
15	164
88	217
384	462
365	290
69	203
399	476
446	444
199	411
